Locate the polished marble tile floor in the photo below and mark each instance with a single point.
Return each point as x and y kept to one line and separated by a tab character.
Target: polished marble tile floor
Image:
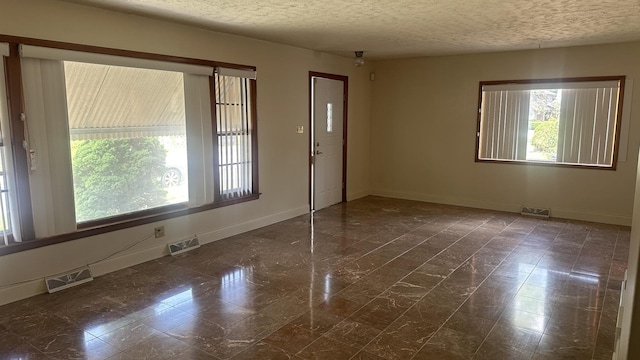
375	278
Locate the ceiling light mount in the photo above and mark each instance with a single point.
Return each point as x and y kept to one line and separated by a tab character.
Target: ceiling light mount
359	59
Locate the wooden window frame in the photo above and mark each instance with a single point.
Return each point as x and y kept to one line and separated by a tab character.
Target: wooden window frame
120	222
618	122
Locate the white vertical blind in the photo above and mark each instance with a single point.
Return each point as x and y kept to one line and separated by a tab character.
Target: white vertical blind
8	202
199	129
233	122
51	179
587	125
504	124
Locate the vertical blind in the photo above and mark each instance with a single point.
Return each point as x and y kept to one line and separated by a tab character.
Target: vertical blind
9	224
234	128
587	125
505	118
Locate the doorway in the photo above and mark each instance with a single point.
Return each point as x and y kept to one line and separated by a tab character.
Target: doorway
328	144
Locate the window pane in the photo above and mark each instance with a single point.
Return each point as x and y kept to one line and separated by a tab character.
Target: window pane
128	147
542	135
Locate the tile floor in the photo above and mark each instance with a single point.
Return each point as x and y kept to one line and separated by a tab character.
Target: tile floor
376	278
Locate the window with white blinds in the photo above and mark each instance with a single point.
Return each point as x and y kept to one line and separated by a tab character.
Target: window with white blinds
560	121
235	129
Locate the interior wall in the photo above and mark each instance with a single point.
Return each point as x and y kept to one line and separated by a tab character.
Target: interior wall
283	103
424	118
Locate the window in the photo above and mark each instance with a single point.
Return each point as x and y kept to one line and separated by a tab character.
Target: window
235	128
573	122
112	140
127	130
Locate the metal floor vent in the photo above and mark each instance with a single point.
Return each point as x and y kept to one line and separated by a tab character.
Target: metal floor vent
67	280
184	245
539	212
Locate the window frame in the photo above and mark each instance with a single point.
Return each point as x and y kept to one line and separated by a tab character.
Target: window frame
15	105
618	122
218	195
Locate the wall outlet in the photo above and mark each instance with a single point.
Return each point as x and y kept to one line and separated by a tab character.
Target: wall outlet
159	232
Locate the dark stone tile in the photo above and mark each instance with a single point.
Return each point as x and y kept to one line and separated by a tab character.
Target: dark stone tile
327	348
509	342
291	338
339	306
449	341
160	346
14	347
264	350
379	313
353	333
403	338
555	347
317	321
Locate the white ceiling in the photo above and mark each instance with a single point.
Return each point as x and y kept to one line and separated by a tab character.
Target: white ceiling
403	28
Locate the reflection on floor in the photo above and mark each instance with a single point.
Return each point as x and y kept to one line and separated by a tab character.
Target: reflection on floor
375	278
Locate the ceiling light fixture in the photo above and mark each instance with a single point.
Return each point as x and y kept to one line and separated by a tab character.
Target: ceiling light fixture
359	59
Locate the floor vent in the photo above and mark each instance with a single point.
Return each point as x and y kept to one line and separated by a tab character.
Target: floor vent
539	212
67	280
184	245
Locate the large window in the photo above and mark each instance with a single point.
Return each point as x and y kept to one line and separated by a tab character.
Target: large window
127	131
112	138
574	122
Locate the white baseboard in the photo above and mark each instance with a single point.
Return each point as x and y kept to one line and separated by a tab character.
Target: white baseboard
148	254
236	229
22	291
27	289
515	208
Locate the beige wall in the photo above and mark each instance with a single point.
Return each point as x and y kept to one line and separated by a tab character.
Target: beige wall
424	116
282	104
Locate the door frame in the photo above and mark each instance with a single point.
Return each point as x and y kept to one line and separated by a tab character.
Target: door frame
310	148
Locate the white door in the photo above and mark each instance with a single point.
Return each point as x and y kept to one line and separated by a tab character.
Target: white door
328	106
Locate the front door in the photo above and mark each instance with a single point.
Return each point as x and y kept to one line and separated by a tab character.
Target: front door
327	141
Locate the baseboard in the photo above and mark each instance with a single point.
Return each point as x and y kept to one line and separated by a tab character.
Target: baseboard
149	254
515	208
357	195
236	229
22	291
31	288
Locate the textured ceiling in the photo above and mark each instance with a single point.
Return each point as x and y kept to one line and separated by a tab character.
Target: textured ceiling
403	28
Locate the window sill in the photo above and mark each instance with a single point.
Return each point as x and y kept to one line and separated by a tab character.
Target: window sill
549	164
121	222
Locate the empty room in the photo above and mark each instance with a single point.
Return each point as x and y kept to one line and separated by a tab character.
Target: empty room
202	179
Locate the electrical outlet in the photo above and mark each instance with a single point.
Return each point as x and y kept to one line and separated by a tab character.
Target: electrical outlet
159	231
